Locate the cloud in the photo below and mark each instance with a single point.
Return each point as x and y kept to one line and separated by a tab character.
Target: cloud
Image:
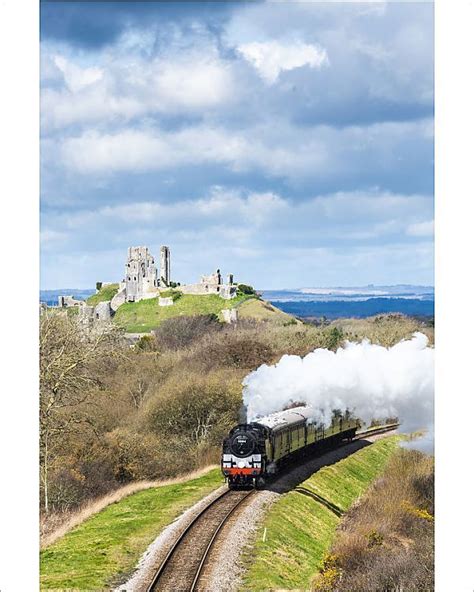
285	152
77	78
272	57
225	131
49	237
121	87
421	228
253	219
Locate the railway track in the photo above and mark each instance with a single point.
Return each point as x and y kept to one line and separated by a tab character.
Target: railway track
375	431
183	566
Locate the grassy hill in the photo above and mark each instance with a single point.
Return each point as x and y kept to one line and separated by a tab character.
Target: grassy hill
300	530
143	316
107	292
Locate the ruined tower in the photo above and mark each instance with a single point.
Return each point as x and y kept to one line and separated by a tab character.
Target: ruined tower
165	266
141	276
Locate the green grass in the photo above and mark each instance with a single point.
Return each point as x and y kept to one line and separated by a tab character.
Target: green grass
300	529
107	546
143	316
103	295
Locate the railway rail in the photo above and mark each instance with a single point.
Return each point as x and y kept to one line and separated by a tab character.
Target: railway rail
182	568
375	431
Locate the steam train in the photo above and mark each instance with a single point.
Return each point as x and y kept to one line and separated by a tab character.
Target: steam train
255	451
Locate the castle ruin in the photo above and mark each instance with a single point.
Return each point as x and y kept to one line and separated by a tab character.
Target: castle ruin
141	276
165	266
142	282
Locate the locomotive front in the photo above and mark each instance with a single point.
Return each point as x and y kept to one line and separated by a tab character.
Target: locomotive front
243	455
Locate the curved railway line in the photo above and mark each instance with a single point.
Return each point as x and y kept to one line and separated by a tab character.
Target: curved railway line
183	566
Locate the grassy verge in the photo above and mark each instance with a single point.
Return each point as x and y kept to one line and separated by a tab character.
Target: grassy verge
108	545
300	528
141	317
103	295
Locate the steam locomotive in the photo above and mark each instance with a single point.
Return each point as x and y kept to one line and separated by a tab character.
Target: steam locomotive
253	452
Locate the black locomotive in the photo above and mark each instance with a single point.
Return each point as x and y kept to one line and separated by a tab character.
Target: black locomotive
256	450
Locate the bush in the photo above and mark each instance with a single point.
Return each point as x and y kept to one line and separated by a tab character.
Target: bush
180	332
234	350
195	409
245	289
146	343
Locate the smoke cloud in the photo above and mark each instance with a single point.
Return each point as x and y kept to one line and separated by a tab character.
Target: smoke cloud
370	380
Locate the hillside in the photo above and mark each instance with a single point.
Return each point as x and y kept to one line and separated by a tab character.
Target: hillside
143	316
261	310
107	292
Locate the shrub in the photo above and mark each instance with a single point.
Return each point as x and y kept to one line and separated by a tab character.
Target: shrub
180	332
234	350
195	409
245	289
146	343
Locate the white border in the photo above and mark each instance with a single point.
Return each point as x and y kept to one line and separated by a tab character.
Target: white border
19	57
19	191
454	410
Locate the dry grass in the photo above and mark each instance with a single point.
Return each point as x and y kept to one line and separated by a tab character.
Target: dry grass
261	310
386	541
55	526
386	329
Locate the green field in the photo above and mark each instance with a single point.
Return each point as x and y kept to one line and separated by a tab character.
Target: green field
143	316
300	528
103	295
107	546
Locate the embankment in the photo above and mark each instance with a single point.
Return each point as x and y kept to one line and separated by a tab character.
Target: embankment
300	527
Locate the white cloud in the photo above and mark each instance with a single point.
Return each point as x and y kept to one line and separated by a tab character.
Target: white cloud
270	58
355	216
421	228
77	78
124	87
286	151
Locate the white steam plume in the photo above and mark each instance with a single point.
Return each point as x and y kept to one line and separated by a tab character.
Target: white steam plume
371	380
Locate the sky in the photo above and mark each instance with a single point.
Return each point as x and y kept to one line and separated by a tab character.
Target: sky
288	143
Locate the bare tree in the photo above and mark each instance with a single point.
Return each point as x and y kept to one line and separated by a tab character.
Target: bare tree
72	364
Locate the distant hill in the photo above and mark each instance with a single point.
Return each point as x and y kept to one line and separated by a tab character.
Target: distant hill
334	309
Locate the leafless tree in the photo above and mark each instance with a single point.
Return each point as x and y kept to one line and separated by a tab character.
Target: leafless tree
72	363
